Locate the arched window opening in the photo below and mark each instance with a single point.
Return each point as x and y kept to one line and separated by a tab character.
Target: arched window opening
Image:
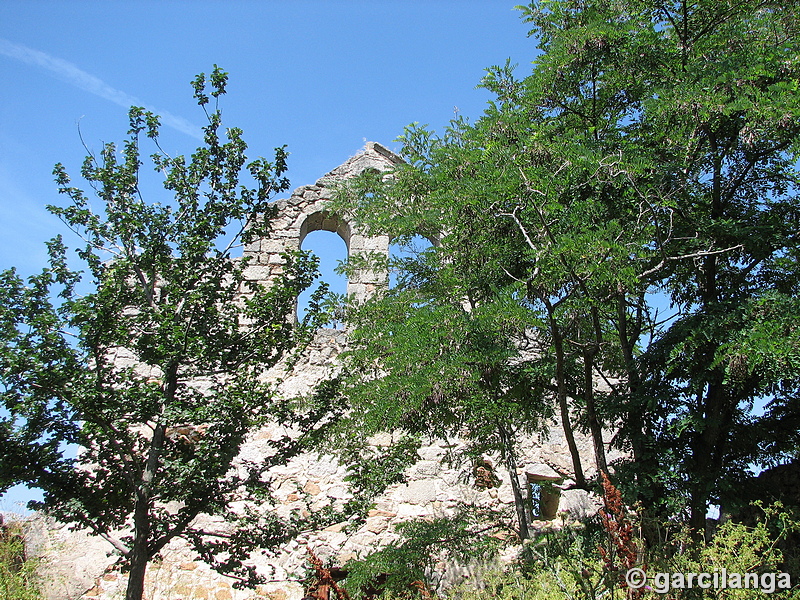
331	250
403	253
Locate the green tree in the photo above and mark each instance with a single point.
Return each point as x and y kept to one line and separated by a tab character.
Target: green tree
419	362
652	149
152	364
722	122
541	230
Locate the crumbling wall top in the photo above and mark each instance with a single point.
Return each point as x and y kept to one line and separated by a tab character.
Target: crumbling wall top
306	211
374	156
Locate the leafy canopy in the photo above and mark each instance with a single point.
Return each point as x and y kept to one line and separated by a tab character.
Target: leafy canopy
151	361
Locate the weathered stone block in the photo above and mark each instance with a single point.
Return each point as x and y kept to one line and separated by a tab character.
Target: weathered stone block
416	492
425	468
311	488
377	524
223	594
257	273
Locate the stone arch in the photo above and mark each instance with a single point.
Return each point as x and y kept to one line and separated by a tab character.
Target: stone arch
322	220
306	211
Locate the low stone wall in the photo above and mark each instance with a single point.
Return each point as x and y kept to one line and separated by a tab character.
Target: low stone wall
82	566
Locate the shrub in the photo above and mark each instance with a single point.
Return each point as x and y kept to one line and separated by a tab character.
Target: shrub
18	580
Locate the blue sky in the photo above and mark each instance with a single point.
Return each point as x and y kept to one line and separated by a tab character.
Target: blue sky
320	77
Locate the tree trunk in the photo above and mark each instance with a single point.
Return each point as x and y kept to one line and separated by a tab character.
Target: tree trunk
563	405
627	340
595	427
139	560
708	448
509	458
648	485
140	553
139	556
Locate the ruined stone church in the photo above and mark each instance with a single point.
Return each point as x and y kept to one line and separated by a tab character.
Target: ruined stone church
81	566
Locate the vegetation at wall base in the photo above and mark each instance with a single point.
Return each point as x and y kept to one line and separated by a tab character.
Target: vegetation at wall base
19	579
586	561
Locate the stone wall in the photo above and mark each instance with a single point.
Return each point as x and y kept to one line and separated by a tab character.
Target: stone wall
305	211
81	566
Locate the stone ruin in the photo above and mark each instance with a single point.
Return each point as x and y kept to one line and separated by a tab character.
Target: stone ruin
79	565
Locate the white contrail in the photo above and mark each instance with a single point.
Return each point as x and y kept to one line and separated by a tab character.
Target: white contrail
81	79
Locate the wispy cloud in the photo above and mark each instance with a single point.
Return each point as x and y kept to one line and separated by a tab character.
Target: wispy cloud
73	75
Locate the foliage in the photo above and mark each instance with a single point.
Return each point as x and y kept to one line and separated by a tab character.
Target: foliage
420	364
151	360
18	576
371	470
324	581
622	552
335	305
767	545
397	568
565	564
568	564
509	585
651	150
